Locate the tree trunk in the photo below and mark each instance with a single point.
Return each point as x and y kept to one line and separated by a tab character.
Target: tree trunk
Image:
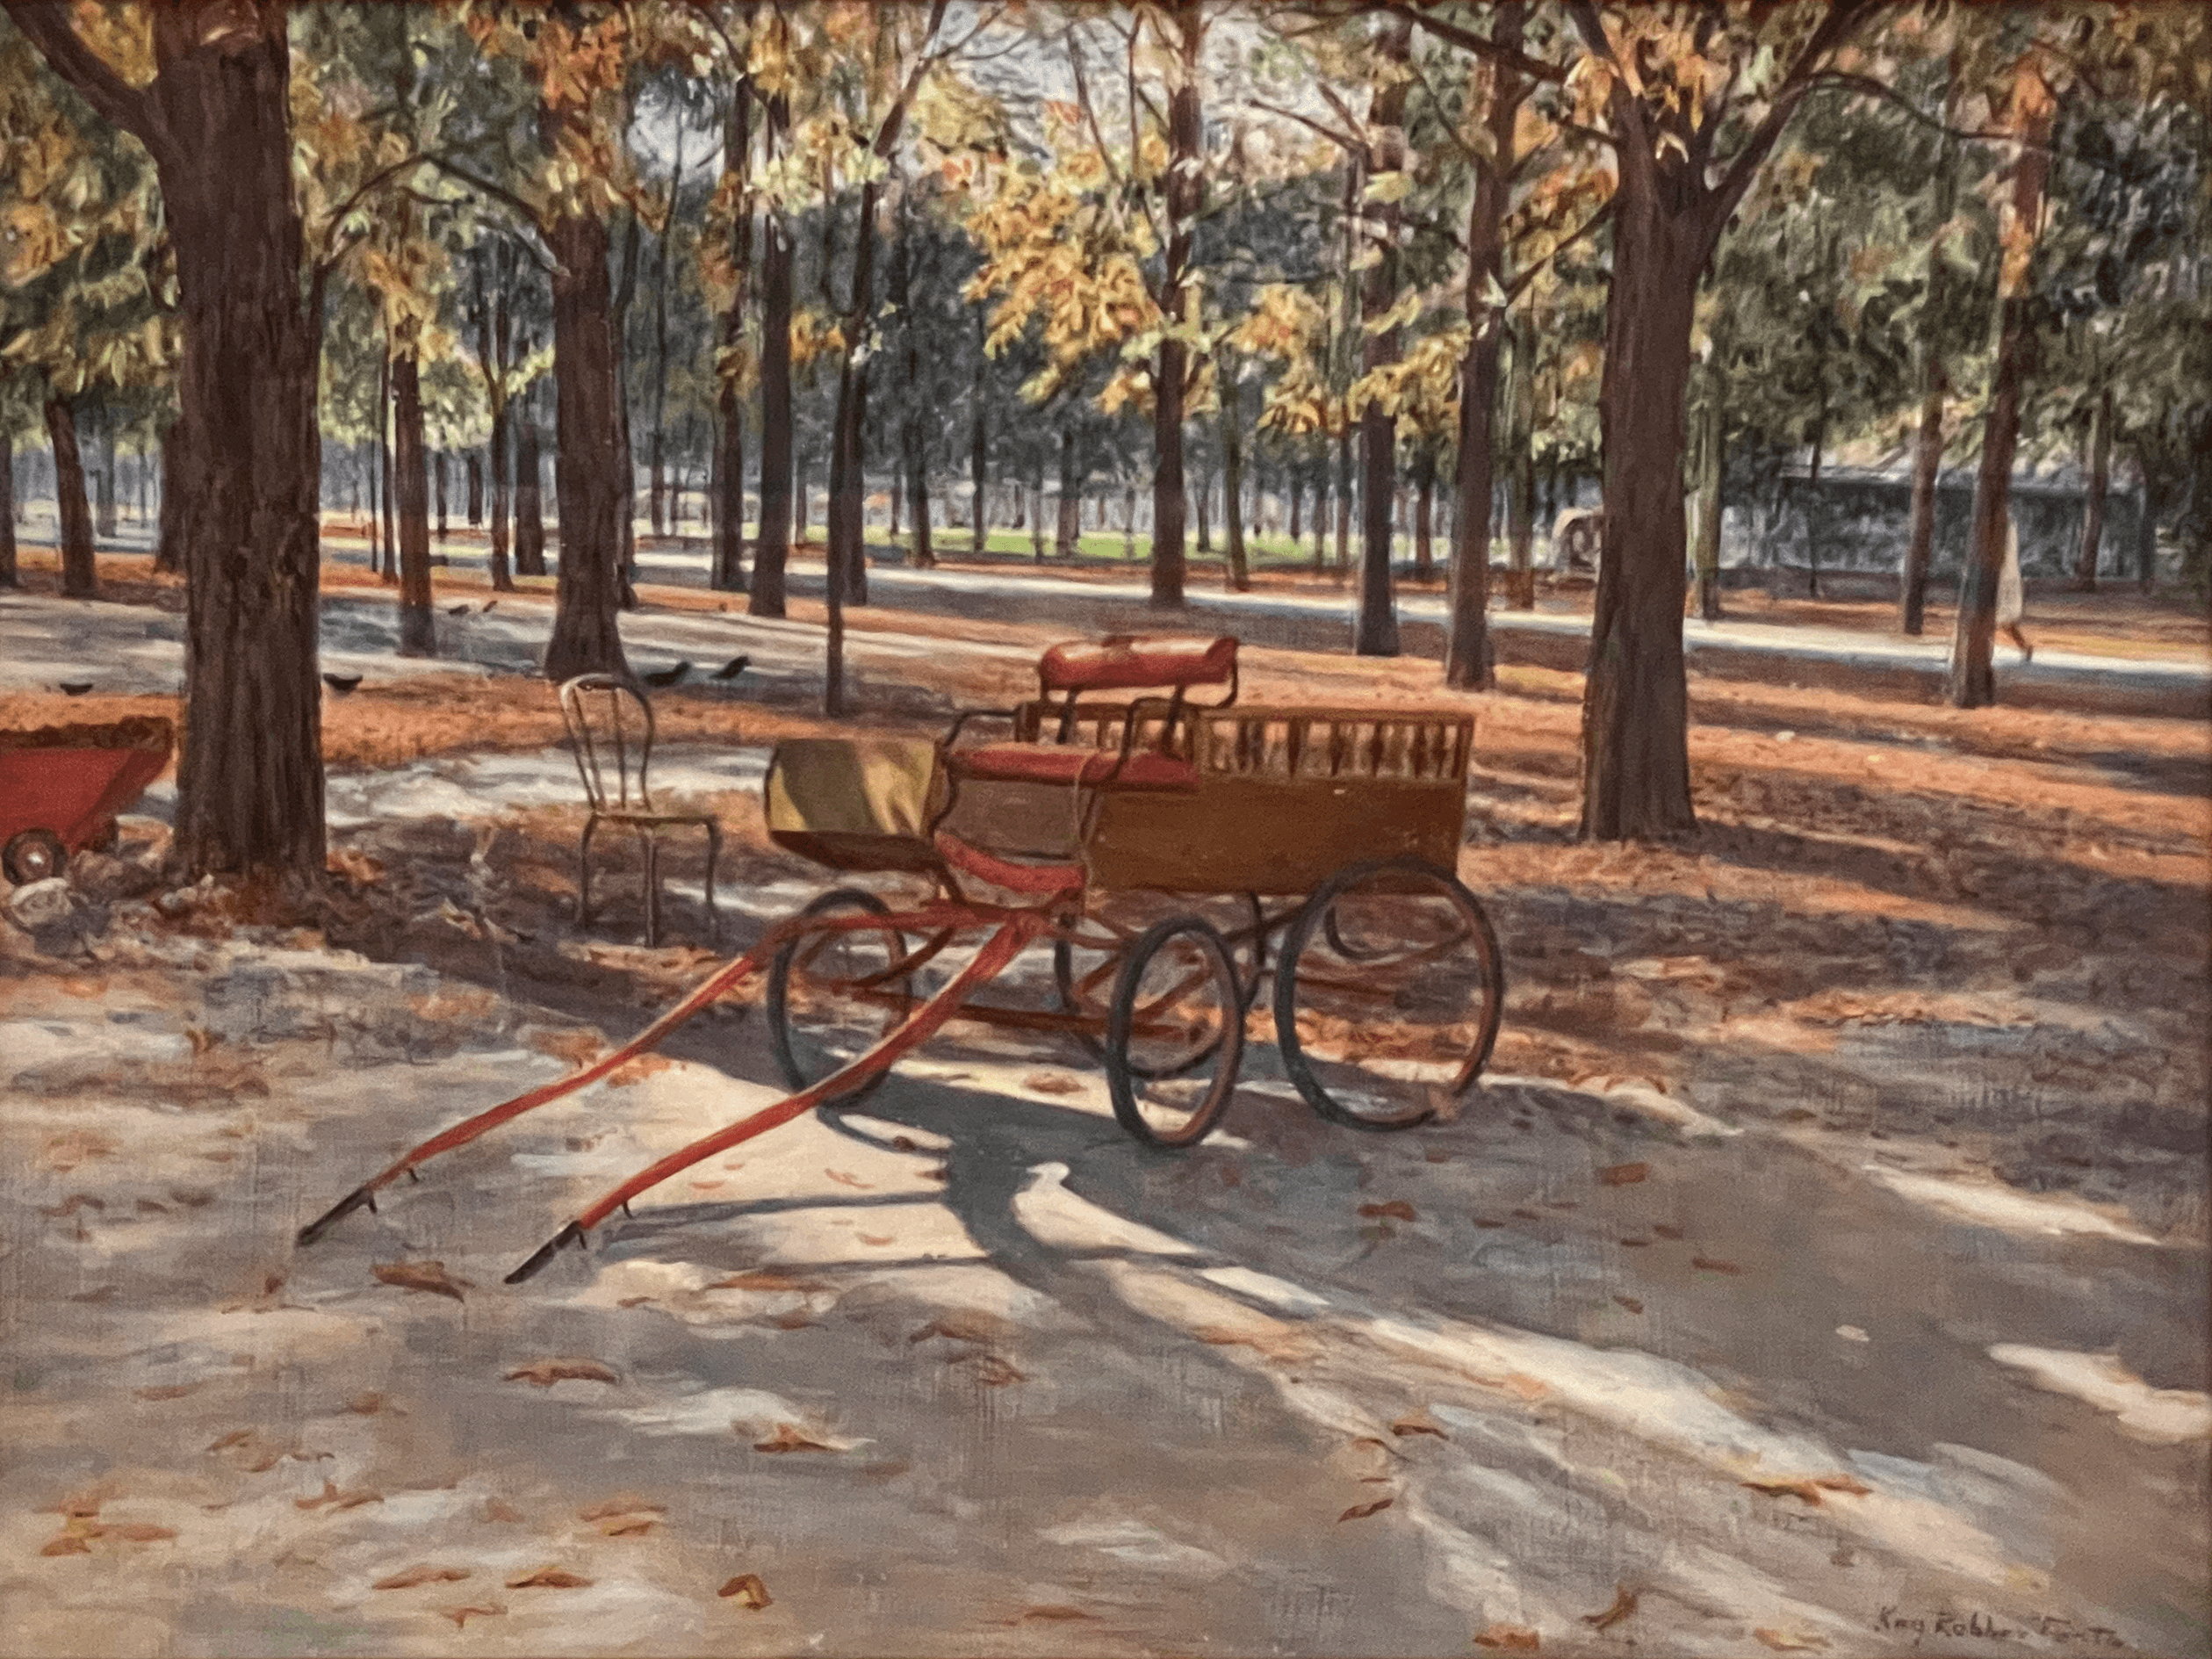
773	551
529	500
80	571
2093	514
1815	511
177	473
476	489
502	497
626	461
1321	512
1185	193
418	638
1973	682
587	639
1704	496
437	479
389	570
979	465
216	118
370	467
1635	700
1232	396
1295	482
1377	633
103	498
660	337
737	155
1068	537
2148	504
1343	502
1203	501
1128	521
8	578
1928	448
1425	504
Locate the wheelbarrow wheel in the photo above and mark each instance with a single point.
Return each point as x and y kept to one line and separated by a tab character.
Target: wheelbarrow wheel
835	993
1175	1034
1388	994
35	855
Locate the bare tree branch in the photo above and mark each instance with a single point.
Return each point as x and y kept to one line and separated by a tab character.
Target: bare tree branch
46	25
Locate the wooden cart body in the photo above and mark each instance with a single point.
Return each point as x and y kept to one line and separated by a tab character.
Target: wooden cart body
71	781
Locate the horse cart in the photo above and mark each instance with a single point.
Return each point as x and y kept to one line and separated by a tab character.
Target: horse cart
1179	854
61	786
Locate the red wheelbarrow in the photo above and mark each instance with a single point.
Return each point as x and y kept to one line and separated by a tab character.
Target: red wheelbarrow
60	786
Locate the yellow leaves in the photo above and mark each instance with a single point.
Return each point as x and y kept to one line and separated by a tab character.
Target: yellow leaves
814	333
1285	321
123	35
1130	388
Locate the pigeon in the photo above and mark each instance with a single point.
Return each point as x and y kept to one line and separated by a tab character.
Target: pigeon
341	683
666	677
457	610
75	688
491	606
733	669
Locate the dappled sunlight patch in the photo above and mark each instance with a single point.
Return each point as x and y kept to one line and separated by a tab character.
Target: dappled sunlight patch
2004	1207
1055	1217
2164	1415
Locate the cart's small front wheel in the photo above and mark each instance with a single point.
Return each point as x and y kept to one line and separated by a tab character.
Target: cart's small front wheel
835	992
35	855
1175	1034
1388	994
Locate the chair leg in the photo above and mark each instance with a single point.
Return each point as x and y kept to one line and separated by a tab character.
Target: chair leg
714	852
652	888
583	872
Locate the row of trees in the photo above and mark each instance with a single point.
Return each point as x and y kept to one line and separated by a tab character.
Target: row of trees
1362	245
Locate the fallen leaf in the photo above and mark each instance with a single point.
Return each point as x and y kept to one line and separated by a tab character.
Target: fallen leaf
1053	1082
1437	1155
498	1509
795	1320
937	1173
1517	1637
1418	1423
1630	1303
627	1525
636	1301
1782	1641
236	1437
67	1544
1665	1231
73	1203
1801	1489
150	1207
136	1533
994	1373
460	1616
1713	1265
1527	1387
546	1372
1528	1215
1396	1210
428	1276
575	1047
878	1239
621	1504
748	1591
337	1499
105	1293
420	1573
367	1404
168	1391
1841	1484
790	1437
1052	1609
1484	1221
1624	1604
761	1279
191	1200
550	1578
1360	1512
80	1507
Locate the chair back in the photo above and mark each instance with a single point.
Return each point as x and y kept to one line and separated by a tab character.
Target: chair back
609	723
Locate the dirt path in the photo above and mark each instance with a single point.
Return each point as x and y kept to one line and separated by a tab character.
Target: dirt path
1906	1052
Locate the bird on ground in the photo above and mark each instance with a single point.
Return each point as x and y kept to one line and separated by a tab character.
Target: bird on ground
733	669
75	688
457	610
666	677
341	683
491	606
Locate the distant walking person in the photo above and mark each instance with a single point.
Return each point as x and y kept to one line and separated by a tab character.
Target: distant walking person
2010	599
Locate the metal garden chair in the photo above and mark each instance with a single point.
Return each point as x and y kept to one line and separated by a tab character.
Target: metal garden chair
610	729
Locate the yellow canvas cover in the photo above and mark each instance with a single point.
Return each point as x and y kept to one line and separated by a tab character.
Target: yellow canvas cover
855	802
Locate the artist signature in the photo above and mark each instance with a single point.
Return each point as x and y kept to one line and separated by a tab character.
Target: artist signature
1988	1626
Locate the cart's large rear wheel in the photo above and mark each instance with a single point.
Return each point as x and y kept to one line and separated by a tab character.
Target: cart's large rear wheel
834	994
1388	994
1083	971
1175	1035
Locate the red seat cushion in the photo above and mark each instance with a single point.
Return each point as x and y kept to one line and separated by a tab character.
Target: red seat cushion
1124	663
1042	763
1049	879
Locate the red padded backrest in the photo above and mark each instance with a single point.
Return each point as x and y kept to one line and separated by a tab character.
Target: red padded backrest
1126	662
